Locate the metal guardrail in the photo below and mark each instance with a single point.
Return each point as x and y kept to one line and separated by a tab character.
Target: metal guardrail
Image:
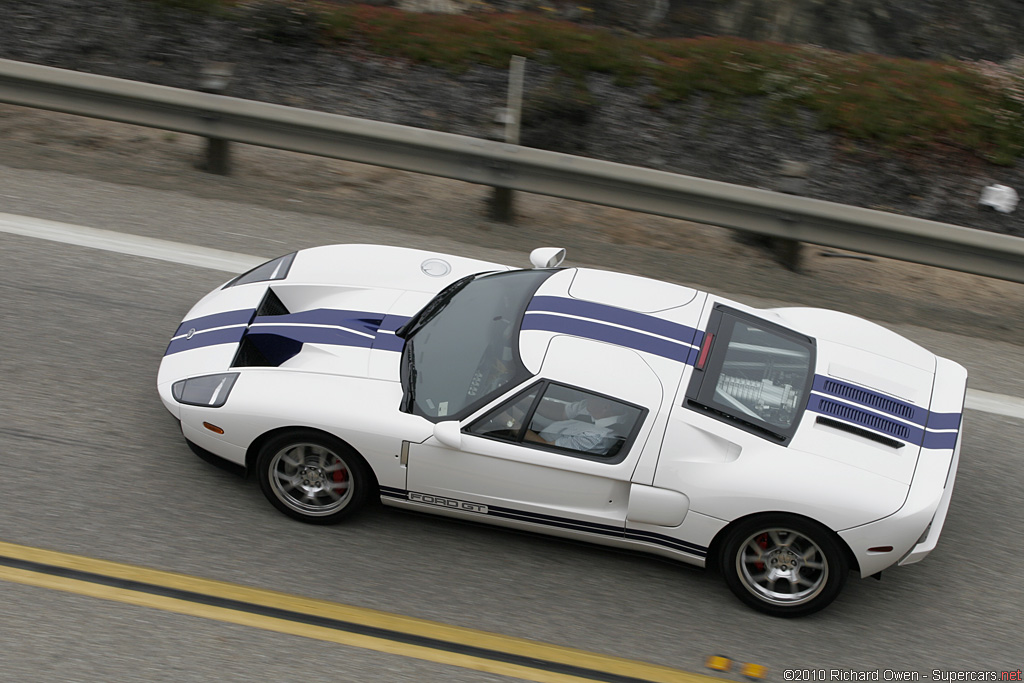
520	168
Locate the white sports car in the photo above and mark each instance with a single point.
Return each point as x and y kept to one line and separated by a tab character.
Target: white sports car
785	446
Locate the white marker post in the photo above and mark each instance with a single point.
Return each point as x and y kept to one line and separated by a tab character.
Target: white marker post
516	72
216	77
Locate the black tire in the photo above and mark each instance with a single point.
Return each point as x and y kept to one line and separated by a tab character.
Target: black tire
783	565
312	477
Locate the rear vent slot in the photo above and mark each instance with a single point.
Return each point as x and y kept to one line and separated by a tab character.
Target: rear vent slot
869	399
851	429
861	417
271	305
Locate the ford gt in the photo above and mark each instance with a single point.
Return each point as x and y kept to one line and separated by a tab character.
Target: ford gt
785	447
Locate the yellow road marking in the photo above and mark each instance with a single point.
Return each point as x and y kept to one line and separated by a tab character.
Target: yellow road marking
718	663
323	609
754	671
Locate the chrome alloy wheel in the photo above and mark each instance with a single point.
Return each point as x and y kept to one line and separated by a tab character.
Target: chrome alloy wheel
782	567
311	479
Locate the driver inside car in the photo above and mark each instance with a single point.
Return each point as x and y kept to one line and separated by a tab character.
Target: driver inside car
586	425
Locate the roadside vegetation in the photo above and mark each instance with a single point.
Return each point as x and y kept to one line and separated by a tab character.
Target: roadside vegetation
897	104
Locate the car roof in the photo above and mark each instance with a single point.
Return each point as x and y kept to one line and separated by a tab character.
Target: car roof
645	315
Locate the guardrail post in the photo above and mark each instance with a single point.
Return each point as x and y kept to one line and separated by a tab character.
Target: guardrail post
792	180
502	204
215	78
756	213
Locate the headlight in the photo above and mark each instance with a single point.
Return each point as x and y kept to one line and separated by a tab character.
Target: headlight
209	391
271	270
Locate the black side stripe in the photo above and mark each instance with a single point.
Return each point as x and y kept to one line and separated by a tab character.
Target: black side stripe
668	541
575	525
324	622
557	522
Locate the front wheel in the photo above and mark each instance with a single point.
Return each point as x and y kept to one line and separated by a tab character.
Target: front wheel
783	565
312	477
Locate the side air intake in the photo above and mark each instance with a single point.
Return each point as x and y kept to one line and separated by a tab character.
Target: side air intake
271	305
249	356
266	350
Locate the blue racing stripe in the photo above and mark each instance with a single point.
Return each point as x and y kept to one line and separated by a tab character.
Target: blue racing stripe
388	342
208	322
940	440
391	322
944	420
691	357
315	335
950	423
359	326
359	321
614	335
852	393
613	314
386	339
228	335
902	420
864	418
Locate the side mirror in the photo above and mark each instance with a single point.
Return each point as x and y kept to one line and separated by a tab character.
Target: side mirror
547	257
449	434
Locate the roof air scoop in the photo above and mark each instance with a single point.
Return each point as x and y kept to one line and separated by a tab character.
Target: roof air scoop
547	257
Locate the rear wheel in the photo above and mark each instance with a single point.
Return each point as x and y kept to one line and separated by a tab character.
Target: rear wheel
783	565
313	477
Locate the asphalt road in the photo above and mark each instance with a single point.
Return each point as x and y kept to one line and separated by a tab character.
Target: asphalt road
92	465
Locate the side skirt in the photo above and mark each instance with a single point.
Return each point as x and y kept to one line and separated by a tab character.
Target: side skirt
599	534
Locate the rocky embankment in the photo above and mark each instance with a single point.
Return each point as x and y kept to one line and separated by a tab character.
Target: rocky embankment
920	29
140	40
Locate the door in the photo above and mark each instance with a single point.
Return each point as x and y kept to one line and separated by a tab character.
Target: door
558	451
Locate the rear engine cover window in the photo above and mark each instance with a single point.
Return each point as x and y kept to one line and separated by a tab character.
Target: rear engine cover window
758	374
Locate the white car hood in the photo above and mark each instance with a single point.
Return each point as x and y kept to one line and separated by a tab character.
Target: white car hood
335	312
374	266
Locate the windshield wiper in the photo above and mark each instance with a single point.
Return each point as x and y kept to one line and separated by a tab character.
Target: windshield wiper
409	378
433	307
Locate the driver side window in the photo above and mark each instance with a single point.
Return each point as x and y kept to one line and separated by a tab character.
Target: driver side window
564	419
506	421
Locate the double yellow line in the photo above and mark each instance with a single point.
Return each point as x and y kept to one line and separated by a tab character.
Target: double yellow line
336	623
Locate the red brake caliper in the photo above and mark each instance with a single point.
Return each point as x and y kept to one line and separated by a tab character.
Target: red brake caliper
762	542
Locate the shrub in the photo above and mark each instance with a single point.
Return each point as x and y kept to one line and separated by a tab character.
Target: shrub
897	103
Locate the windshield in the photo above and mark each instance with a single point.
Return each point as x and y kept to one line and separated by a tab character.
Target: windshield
466	350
